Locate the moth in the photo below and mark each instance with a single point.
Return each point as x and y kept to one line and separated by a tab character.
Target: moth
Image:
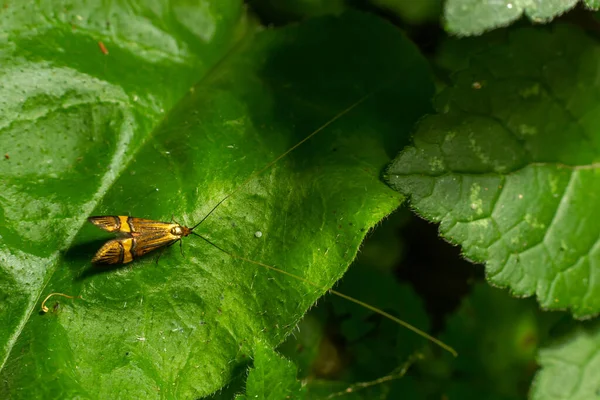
139	236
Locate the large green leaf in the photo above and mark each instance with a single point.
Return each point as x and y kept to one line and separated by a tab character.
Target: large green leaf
510	166
472	17
175	117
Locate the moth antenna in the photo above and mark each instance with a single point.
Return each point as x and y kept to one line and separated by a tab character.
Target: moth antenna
294	147
45	309
342	295
213	209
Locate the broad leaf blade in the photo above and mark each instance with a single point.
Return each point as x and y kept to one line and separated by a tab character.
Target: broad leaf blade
72	117
473	17
510	168
185	327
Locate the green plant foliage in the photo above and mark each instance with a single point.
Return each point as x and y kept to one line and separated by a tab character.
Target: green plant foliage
569	366
280	12
510	166
188	103
473	17
414	12
278	121
272	377
343	350
497	338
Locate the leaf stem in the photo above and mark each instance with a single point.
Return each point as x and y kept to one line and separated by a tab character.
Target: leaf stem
45	309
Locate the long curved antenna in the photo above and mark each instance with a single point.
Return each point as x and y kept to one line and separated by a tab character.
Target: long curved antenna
211	211
269	165
342	295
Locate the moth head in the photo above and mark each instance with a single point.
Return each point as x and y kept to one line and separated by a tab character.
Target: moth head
179	230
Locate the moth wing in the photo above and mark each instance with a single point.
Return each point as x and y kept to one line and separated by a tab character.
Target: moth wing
144	226
112	252
116	251
150	241
109	223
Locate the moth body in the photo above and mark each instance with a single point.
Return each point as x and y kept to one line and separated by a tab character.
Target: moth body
138	237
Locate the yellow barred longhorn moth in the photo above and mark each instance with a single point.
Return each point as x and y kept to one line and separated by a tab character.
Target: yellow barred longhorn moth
140	236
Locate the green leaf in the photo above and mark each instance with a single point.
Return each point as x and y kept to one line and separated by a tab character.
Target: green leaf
496	337
282	12
343	349
510	166
413	12
399	299
569	366
473	17
175	117
272	377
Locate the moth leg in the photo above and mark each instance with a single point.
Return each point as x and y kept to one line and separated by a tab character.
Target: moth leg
181	247
164	248
160	254
173	219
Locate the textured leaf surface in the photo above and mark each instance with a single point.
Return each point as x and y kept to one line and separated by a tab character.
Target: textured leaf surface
569	366
173	118
511	167
272	377
473	17
343	350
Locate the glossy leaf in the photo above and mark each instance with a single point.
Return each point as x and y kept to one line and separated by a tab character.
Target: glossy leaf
510	166
175	117
473	17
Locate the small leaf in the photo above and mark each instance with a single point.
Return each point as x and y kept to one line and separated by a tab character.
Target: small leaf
272	377
473	17
510	166
569	366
